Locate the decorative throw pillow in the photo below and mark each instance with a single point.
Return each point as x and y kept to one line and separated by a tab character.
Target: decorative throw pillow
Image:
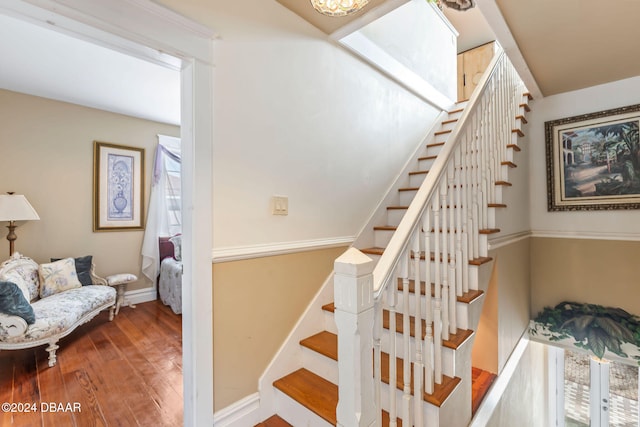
25	276
13	302
15	278
83	269
177	246
58	276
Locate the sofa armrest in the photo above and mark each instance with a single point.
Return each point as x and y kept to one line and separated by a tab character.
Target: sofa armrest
12	326
97	280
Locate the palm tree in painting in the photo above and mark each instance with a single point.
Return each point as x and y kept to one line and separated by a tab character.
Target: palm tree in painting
623	141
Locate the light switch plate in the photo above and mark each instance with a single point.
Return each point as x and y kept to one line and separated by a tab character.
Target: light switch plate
280	205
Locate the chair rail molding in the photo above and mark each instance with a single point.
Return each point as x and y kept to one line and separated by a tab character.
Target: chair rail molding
237	253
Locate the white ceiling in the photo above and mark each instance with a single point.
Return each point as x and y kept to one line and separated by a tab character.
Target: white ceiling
42	62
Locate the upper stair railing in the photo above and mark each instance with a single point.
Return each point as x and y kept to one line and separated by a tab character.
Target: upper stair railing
426	265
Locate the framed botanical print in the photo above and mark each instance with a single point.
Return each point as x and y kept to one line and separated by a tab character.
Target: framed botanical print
593	161
118	187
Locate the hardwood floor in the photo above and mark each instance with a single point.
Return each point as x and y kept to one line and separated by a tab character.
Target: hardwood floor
122	373
481	382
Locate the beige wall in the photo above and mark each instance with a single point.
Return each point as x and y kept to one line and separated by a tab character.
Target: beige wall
601	272
47	155
256	303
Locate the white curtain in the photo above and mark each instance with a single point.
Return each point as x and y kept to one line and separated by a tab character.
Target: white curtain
164	217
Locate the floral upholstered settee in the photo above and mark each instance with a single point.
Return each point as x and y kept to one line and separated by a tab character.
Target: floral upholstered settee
55	302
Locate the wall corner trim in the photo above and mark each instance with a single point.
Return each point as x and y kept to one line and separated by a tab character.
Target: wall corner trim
237	253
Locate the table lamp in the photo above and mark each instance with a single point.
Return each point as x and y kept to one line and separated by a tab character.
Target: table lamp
15	207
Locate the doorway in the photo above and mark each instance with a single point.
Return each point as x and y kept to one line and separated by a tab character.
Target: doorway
593	392
149	31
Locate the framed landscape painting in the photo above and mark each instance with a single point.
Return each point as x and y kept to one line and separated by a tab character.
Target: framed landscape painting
118	187
593	161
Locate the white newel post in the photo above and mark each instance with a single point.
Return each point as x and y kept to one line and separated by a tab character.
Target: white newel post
353	289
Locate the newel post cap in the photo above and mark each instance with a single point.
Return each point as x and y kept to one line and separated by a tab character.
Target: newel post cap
353	263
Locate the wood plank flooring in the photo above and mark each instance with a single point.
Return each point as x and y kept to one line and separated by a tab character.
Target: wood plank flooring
480	383
122	373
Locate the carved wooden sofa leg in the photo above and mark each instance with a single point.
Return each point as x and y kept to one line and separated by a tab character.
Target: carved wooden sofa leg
112	312
52	352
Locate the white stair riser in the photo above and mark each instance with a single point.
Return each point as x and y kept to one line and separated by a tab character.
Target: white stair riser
433	150
381	238
425	165
416	180
320	365
448	362
460	307
429	411
406	197
394	216
329	322
296	414
450	125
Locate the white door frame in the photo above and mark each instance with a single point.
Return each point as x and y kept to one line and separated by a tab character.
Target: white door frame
146	30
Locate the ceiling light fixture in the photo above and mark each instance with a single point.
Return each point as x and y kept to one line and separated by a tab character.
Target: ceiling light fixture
338	7
460	5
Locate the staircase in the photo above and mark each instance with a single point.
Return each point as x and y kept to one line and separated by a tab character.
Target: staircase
413	300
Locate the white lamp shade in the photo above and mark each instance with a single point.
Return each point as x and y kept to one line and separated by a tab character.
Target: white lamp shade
16	207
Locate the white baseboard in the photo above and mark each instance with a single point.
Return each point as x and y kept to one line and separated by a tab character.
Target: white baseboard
139	296
244	412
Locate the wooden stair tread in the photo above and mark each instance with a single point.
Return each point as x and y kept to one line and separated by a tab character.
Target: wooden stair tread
518	132
325	343
454	341
427	158
440	391
458	110
489	231
497	205
528	95
466	297
372	251
408	189
526	107
418	173
435	144
312	391
514	147
481	381
470	296
385	228
386	421
274	421
380	251
522	119
504	183
390	208
446	122
442	132
480	260
329	307
510	164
